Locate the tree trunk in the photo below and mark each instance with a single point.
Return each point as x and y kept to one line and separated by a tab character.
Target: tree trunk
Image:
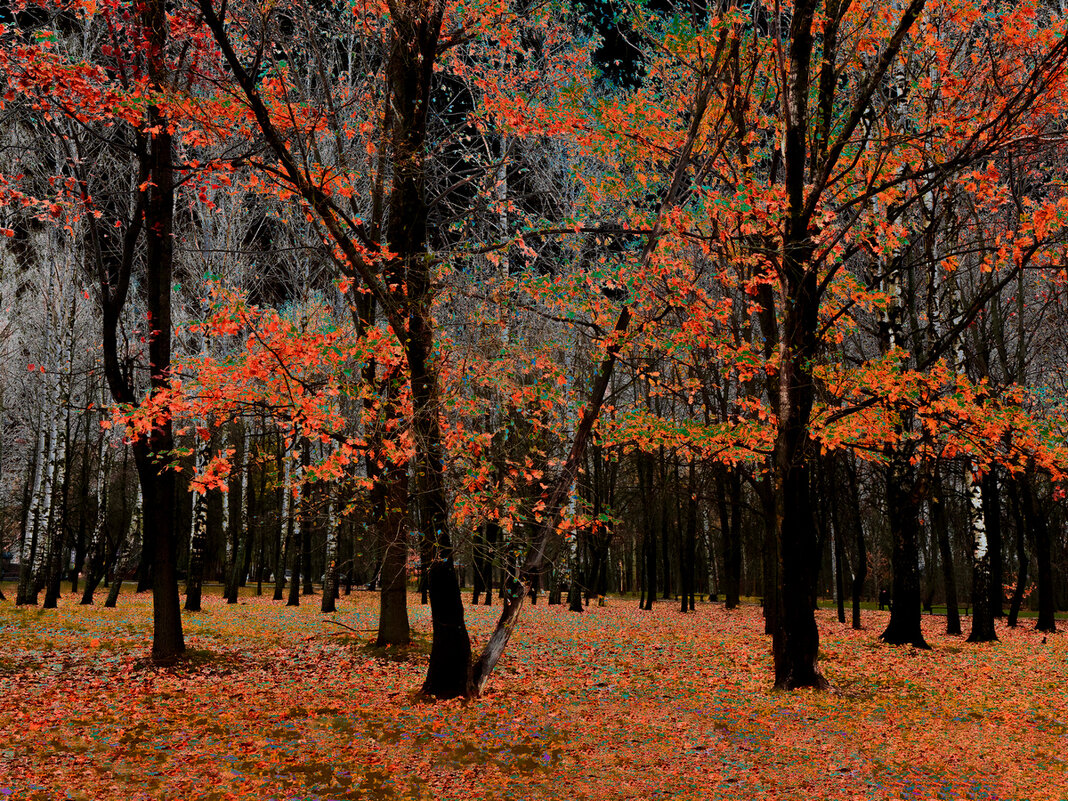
689	553
1036	520
390	508
729	481
903	513
838	552
97	542
285	522
770	556
235	515
194	581
982	613
125	550
940	523
1022	558
991	497
297	509
329	602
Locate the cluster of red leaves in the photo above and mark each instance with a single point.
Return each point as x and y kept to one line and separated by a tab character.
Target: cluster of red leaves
615	703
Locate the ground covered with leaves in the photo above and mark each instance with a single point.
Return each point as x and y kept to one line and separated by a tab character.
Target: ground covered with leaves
616	703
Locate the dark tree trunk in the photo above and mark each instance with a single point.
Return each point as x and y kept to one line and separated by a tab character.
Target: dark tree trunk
234	530
492	535
940	524
689	552
903	513
992	514
478	562
1037	522
1022	558
729	483
795	641
770	556
839	571
116	587
574	587
157	482
285	542
299	521
664	527
249	532
310	522
645	482
860	571
194	582
982	610
392	499
54	566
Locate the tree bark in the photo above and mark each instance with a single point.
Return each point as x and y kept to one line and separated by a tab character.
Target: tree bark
1022	558
991	497
194	581
982	612
1039	526
940	524
729	490
903	512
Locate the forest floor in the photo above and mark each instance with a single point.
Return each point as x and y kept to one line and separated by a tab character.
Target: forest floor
615	703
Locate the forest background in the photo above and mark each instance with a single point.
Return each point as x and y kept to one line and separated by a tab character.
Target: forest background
677	301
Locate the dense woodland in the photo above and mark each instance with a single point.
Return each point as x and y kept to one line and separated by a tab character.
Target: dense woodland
536	302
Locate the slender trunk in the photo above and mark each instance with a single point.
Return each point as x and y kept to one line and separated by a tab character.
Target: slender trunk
574	587
493	534
285	523
235	515
940	524
298	524
982	613
329	603
728	480
838	554
1038	523
1022	558
770	556
690	554
479	560
41	516
95	557
195	575
306	529
125	551
991	497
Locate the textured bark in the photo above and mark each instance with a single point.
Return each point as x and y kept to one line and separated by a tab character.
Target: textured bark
389	501
236	516
329	602
903	495
1022	558
298	523
95	555
729	497
285	523
940	524
125	549
991	495
982	612
1038	524
197	537
689	552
